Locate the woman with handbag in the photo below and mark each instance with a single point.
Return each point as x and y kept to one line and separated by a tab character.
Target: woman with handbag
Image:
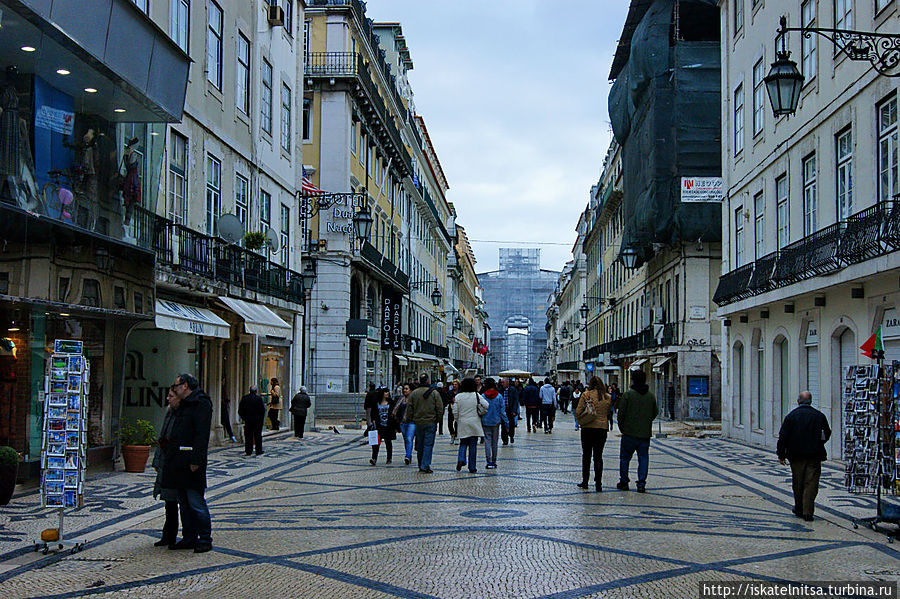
383	422
592	415
468	408
274	403
408	428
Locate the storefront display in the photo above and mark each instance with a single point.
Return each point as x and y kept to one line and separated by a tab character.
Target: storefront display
871	422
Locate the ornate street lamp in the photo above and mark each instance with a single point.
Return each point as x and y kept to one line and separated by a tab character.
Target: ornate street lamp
783	84
362	223
457	323
629	257
436	297
583	310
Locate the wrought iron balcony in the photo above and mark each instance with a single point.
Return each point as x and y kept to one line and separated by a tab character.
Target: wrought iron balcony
383	266
863	236
643	340
415	345
180	248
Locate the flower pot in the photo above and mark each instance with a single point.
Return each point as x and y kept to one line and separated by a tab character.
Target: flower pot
8	473
135	457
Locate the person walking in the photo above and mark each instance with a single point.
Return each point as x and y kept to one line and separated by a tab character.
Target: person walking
406	427
444	400
565	396
382	416
637	411
576	397
252	410
225	417
548	406
424	409
511	400
274	403
300	404
592	413
451	398
184	465
531	398
468	407
491	421
801	442
169	496
370	401
670	399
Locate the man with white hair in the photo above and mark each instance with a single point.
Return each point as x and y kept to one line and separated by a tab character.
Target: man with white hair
300	403
801	442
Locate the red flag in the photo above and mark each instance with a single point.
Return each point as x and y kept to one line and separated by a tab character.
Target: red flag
475	345
874	346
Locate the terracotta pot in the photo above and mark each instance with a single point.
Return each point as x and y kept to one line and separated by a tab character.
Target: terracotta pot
135	457
8	473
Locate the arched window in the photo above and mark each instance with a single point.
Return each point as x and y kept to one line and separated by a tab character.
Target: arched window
782	377
737	383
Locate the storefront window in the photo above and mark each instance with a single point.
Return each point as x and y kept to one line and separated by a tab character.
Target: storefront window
273	364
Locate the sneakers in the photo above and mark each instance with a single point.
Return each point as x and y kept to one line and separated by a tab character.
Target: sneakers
233	440
512	441
622	486
372	462
491	466
406	461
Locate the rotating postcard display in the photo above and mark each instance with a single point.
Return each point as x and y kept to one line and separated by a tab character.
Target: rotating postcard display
64	446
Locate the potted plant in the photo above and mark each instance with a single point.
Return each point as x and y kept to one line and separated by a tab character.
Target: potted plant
255	240
136	441
9	469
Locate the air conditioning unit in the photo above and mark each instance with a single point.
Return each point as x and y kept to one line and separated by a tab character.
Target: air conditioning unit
659	315
275	16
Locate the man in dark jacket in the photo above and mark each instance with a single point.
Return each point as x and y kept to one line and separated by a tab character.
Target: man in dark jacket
252	410
184	468
424	408
637	410
511	397
531	399
801	442
565	396
300	403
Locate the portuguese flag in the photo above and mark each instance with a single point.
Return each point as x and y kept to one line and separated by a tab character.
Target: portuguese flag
874	346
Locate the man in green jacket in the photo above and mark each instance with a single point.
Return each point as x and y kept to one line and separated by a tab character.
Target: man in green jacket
425	409
636	412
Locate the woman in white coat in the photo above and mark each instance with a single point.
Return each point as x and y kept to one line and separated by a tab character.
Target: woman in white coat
468	408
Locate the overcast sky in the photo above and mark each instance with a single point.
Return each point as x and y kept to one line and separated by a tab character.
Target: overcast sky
514	96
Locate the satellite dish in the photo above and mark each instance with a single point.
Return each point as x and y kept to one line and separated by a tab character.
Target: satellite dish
272	240
231	229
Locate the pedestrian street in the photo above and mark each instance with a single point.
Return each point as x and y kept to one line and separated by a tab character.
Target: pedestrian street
311	518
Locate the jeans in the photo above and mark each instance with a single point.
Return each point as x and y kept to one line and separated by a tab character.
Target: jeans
196	525
491	435
409	431
548	415
592	442
470	443
626	450
425	444
253	436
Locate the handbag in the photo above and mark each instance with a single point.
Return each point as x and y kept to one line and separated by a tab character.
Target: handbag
373	438
479	407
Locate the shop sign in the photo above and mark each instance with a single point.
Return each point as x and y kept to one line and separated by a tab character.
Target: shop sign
701	189
68	346
54	119
890	324
391	320
589	366
812	334
341	216
358	328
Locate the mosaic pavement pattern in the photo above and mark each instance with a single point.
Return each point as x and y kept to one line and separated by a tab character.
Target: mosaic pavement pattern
311	518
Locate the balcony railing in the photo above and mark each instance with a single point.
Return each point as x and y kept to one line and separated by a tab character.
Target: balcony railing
180	248
867	234
331	64
643	340
412	344
383	265
572	365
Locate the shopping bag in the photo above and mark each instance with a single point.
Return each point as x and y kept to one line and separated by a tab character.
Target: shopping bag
373	438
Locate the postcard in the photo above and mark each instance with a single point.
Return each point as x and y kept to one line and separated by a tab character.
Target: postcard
76	364
74	383
59	386
70	499
68	346
54	475
55	463
56	437
71	478
58	374
72	439
54	501
57	362
71	459
56	412
58	449
73	402
72	422
54	488
56	424
56	400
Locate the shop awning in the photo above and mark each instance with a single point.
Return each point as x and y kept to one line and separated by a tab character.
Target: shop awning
258	319
450	367
173	316
636	365
657	367
401	360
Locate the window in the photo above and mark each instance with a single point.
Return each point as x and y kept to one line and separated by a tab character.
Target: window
844	175
178	181
265	210
180	22
737	387
138	302
119	298
353	144
887	150
306	27
266	100
759	225
738	16
738	236
369	160
242	77
843	14
739	119
782	213
144	5
214	45
760	384
289	17
881	4
285	118
307	121
213	193
241	198
810	197
63	289
808	51
285	233
90	293
759	98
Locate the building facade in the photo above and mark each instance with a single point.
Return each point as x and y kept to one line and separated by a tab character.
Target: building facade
516	298
809	218
82	139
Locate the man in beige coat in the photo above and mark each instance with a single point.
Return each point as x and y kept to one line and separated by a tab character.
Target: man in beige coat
425	409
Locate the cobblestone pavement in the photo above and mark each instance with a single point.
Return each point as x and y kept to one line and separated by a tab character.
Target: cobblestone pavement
311	518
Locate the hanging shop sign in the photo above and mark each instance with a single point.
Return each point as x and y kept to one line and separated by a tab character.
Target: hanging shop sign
341	216
890	324
701	189
391	320
812	334
64	443
358	328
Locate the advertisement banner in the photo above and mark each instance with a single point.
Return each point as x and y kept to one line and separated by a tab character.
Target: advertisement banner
701	189
391	320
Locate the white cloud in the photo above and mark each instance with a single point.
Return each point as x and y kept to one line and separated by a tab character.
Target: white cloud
514	96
